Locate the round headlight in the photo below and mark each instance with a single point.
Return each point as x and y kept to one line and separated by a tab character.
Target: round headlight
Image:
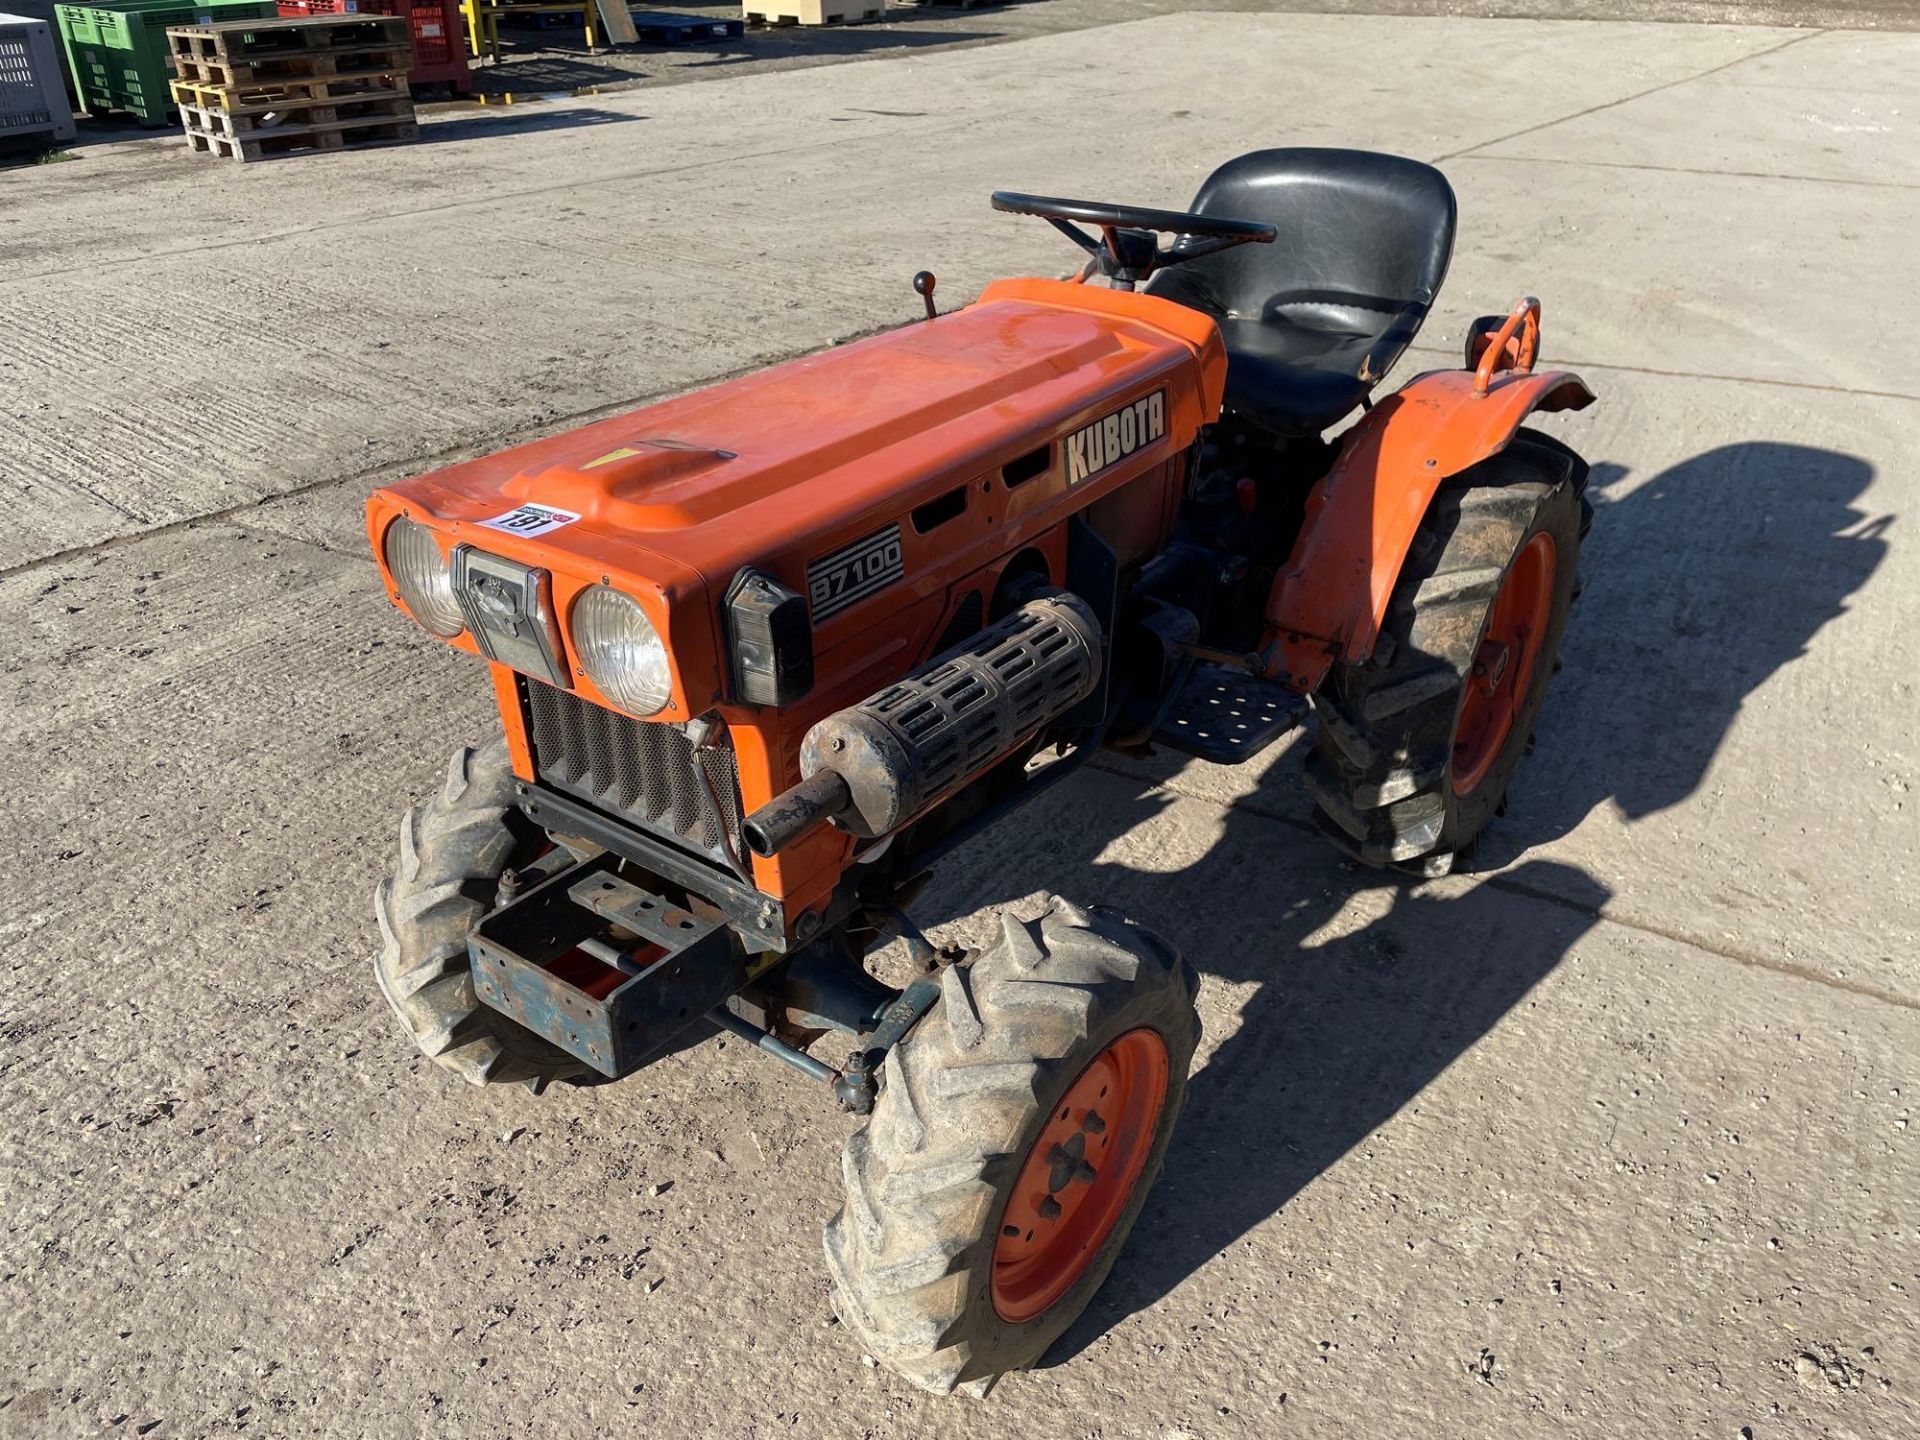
621	651
424	579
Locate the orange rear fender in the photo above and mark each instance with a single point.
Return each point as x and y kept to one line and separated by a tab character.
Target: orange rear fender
1330	600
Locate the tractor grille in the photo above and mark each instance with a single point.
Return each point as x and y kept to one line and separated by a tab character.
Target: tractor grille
639	771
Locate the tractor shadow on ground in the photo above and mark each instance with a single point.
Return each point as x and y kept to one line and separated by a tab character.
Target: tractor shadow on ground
1702	582
1706	580
1362	990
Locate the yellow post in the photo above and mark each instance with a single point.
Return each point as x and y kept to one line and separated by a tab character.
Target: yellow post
483	27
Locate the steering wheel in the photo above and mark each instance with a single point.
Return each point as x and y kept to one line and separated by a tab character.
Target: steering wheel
1126	251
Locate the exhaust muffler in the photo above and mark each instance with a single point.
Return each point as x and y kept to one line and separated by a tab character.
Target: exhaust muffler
874	766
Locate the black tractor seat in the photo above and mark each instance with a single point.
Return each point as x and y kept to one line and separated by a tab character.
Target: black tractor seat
1312	321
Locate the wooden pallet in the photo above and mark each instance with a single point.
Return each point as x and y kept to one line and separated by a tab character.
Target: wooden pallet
225	125
811	12
243	41
659	27
286	140
282	69
286	96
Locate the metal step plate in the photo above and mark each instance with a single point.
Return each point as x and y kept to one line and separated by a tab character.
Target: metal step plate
1228	716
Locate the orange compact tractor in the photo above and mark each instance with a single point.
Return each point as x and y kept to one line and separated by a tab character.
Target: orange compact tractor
765	653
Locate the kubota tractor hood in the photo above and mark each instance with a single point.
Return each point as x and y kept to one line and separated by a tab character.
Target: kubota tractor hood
816	457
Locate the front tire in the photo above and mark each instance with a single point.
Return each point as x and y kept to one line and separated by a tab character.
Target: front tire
453	850
1017	1133
1415	746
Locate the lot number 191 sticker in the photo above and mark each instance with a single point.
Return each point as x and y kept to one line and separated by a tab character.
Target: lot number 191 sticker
531	520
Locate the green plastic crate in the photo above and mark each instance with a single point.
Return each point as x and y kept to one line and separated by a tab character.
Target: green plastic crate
117	52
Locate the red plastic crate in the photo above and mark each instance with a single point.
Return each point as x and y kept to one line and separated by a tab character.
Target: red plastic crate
439	34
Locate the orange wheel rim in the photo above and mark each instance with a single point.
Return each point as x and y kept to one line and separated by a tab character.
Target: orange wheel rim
1503	666
1078	1175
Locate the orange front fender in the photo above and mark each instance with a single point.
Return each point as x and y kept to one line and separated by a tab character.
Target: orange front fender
1329	601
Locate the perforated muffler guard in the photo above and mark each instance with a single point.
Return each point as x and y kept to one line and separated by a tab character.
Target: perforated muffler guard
922	737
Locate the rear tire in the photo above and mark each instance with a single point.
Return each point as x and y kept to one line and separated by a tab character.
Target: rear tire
453	850
1389	768
922	1273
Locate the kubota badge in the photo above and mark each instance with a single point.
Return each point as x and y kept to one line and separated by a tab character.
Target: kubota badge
1112	438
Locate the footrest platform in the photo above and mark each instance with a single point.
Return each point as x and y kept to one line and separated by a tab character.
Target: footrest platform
1228	716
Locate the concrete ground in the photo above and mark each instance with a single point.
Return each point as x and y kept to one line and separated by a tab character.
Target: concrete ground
1611	1138
535	61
